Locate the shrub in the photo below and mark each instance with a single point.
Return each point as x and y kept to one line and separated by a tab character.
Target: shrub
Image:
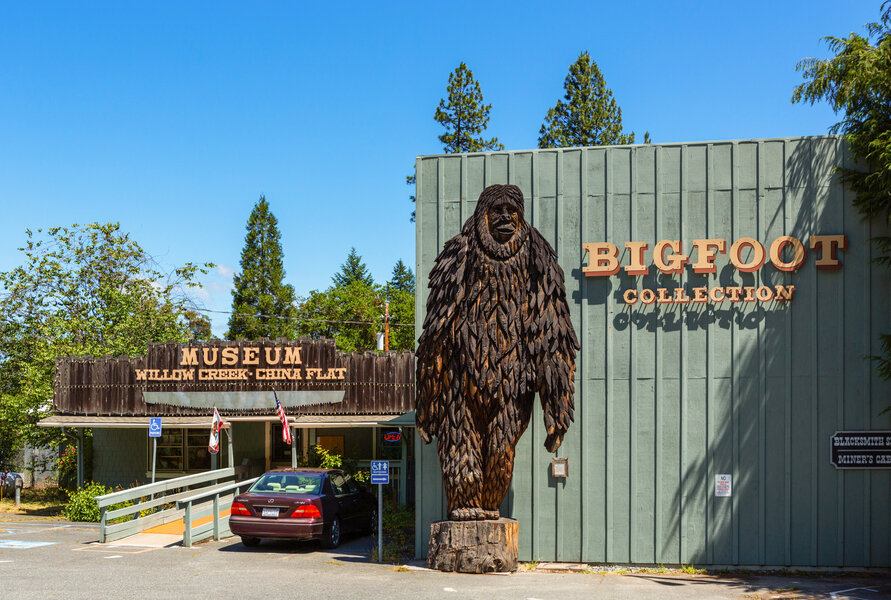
82	503
68	468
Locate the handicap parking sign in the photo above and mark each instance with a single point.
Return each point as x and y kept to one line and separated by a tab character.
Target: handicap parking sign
155	427
380	472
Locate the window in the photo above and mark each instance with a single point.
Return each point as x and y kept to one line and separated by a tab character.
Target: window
280	450
338	484
185	450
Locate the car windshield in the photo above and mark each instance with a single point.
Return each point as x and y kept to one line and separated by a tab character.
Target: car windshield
288	483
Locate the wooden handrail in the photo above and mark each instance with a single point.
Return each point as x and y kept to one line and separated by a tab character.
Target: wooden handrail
203	531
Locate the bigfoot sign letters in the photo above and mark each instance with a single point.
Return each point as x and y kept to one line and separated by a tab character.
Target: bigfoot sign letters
497	331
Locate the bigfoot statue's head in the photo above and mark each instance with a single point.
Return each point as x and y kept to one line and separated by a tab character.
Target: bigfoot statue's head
498	221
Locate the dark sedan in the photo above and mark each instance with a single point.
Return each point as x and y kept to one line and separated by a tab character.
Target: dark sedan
302	504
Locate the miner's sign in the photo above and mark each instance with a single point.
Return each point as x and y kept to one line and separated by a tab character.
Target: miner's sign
861	449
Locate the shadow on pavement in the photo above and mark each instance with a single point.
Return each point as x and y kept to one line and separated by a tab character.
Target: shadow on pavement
353	548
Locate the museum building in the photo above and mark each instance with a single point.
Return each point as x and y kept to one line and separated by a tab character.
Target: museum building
357	405
726	302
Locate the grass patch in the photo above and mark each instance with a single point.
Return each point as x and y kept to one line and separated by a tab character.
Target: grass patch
399	534
38	502
688	570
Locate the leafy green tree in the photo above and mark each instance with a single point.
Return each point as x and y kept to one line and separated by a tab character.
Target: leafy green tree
857	83
588	114
262	304
464	117
352	270
84	290
351	315
400	293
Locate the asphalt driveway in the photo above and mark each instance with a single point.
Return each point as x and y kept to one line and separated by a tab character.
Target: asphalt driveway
52	559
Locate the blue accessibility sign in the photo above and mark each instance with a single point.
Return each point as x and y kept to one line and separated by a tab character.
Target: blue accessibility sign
155	427
380	472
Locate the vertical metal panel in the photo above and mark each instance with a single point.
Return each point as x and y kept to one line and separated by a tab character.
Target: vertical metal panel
669	396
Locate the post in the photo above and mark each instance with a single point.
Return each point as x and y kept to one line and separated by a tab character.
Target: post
403	466
102	522
380	523
293	449
386	326
187	526
231	452
18	493
216	516
154	458
80	458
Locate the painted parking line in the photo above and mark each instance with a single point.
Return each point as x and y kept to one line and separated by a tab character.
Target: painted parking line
863	589
97	547
18	529
22	545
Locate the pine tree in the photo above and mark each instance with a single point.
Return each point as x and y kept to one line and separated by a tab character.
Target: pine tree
262	304
402	278
589	116
463	115
352	270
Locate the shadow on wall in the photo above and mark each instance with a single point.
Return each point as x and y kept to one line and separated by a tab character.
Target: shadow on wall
796	374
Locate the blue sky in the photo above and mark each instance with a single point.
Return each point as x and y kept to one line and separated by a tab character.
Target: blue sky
172	118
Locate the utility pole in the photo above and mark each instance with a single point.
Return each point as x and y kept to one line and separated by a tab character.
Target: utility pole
386	326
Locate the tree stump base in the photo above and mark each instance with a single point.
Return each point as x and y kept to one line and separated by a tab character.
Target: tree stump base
474	546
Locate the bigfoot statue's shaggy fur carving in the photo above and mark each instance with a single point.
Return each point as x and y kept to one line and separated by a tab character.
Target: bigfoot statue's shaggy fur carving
497	331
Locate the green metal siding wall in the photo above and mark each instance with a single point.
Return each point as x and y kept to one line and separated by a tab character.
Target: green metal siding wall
667	397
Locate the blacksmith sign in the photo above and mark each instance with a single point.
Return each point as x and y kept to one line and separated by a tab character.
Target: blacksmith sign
861	450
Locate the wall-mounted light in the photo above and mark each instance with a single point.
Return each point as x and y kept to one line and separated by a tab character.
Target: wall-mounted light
560	467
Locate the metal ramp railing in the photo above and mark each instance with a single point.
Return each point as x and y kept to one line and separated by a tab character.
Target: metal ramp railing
158	503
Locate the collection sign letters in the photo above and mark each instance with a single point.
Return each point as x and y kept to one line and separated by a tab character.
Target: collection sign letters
747	255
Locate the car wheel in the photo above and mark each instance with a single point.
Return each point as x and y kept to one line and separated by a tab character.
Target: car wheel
250	542
331	537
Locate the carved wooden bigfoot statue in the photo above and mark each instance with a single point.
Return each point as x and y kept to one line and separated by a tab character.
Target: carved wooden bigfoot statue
497	331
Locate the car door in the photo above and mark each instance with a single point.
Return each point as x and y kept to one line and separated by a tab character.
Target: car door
346	505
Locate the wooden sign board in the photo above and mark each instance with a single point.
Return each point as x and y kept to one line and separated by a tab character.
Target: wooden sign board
860	449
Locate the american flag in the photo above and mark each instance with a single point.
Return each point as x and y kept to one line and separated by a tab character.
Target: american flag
280	411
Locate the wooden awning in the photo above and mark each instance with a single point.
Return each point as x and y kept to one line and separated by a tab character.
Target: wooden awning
302	421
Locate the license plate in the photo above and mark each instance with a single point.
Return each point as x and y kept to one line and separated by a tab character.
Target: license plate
269	512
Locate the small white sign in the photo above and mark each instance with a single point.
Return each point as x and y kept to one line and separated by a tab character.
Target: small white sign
723	486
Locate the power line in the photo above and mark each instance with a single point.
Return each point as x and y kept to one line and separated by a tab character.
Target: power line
229	312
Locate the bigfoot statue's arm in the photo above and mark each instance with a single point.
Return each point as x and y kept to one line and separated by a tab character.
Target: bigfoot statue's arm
553	342
434	369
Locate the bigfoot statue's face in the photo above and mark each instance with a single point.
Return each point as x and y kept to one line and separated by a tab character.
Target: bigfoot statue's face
503	219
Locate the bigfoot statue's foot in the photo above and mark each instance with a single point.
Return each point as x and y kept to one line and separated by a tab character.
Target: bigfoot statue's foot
473	514
468	514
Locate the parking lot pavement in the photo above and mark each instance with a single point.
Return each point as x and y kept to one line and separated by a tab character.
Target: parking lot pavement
44	559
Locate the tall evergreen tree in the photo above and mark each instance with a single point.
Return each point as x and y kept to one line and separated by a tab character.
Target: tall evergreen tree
262	304
464	117
588	114
352	270
402	278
